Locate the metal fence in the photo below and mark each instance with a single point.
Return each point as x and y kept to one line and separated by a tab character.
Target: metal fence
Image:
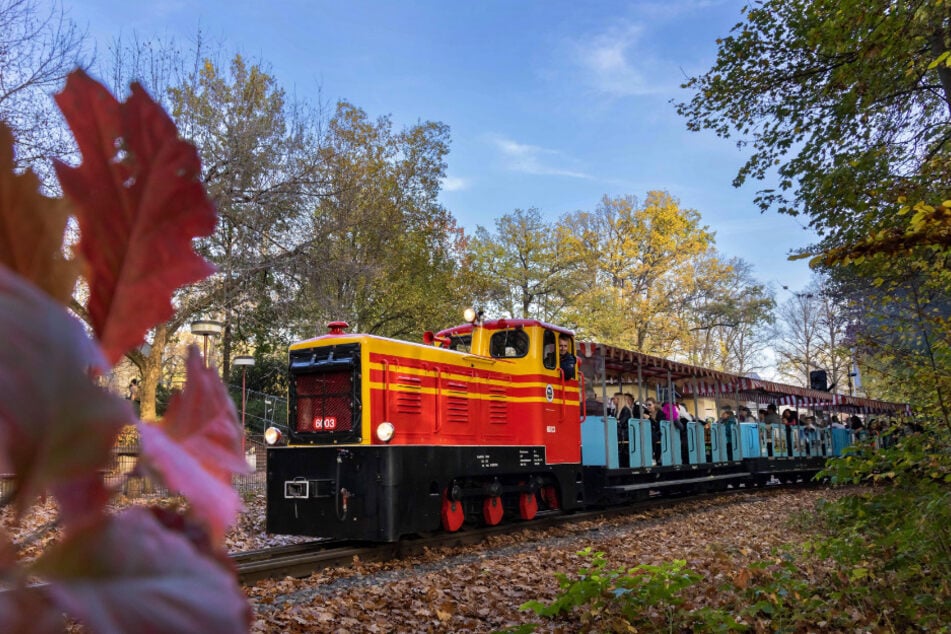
260	411
121	473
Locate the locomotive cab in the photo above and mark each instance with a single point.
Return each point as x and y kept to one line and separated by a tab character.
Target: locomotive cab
548	400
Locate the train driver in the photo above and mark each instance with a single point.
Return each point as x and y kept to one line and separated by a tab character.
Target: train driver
567	360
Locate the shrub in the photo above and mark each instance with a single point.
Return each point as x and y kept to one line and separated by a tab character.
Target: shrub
643	597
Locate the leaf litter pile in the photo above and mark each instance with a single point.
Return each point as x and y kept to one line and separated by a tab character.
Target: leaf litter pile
480	588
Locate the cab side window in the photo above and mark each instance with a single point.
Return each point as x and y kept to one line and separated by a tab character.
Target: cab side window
509	344
462	343
550	358
567	360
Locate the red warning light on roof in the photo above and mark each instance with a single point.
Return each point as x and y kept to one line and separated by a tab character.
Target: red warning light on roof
337	327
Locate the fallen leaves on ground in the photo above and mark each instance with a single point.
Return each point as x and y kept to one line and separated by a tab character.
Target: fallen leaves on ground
480	588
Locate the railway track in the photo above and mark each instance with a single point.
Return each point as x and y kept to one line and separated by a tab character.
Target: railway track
301	560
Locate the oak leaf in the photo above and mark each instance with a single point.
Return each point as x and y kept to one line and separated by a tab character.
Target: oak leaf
196	448
56	425
32	228
130	574
139	203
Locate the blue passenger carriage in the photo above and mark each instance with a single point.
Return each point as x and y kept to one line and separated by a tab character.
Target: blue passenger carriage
704	450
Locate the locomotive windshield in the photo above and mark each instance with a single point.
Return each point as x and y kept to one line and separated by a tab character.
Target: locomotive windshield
509	344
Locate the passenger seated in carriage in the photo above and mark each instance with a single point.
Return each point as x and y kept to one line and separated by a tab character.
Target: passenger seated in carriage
811	435
728	420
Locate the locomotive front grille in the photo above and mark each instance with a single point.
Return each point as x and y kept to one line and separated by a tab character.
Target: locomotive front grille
324	402
325	391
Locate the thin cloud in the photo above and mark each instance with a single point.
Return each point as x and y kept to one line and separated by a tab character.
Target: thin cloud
532	159
619	63
454	184
608	60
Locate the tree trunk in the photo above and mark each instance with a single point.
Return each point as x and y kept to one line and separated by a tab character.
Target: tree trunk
151	373
939	43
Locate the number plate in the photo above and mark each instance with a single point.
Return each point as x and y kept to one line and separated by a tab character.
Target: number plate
325	424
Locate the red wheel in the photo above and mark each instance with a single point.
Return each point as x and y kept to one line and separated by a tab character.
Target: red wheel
527	506
550	496
452	514
492	510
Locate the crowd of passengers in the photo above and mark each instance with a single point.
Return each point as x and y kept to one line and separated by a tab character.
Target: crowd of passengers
623	407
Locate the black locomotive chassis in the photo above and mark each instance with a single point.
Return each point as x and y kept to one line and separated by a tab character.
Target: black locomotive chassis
380	493
786	468
613	487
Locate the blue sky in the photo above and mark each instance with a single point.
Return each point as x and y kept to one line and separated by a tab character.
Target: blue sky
550	104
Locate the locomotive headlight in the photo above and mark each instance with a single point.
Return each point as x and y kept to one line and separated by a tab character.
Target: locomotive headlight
272	435
384	431
469	315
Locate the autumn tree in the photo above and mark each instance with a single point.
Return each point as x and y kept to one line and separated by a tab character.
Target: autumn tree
39	46
729	318
834	321
523	269
799	345
381	251
851	100
900	327
850	104
260	153
255	166
260	156
812	333
155	65
636	267
321	218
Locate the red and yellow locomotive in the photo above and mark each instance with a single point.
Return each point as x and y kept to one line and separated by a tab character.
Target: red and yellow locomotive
389	437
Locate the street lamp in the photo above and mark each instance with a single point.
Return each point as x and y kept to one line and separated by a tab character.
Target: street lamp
207	328
245	362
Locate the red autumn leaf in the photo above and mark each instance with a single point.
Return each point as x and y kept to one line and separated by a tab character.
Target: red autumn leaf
131	574
56	425
139	204
8	556
196	448
81	498
27	610
31	228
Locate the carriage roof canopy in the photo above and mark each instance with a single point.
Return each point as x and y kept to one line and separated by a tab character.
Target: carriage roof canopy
697	381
